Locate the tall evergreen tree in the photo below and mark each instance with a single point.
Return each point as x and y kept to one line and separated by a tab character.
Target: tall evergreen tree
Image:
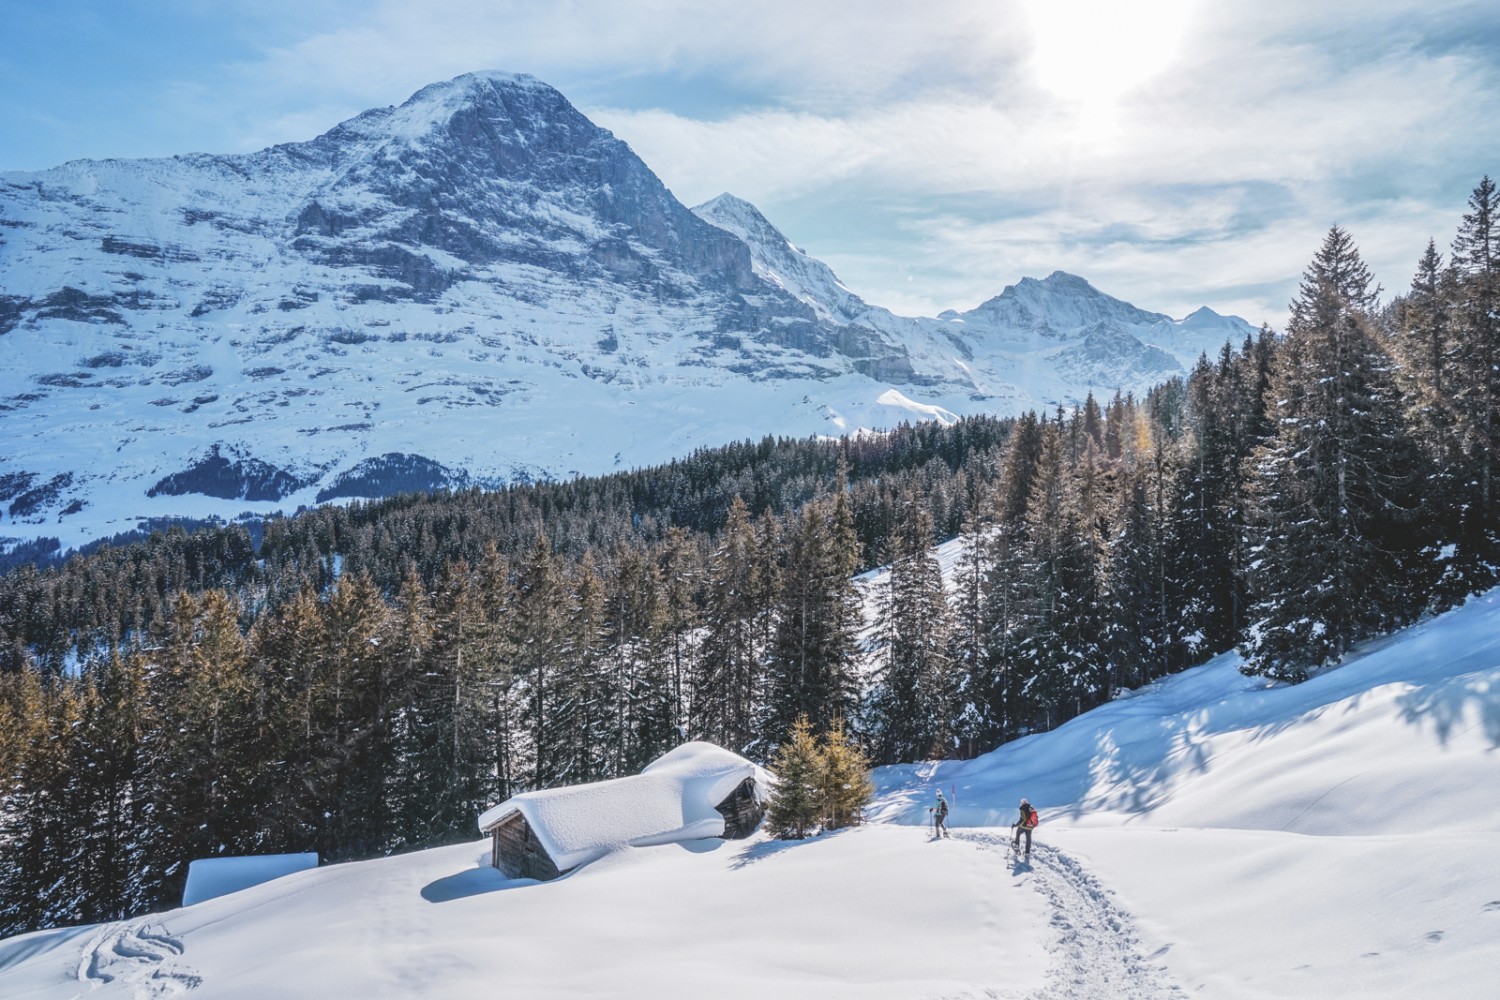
796	805
1009	600
728	681
910	717
844	779
1333	483
39	845
539	638
813	660
1476	385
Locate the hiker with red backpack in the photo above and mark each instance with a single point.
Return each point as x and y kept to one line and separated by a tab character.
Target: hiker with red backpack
1025	824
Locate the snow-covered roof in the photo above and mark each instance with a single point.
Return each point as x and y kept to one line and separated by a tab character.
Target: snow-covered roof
209	878
672	800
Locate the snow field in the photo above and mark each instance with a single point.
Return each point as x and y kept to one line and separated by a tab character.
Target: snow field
1210	835
877	912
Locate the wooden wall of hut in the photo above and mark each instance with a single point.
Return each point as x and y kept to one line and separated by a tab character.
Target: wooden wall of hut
741	811
516	851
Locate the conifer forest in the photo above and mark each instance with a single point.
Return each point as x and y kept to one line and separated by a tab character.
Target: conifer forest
362	680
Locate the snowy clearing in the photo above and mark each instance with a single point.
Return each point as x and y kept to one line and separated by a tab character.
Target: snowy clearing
1209	836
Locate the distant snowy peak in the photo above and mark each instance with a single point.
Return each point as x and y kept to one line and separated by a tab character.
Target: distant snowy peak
1057	306
777	260
1063	307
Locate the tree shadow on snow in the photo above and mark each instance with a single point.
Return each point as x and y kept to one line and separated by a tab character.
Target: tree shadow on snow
758	852
473	882
1445	707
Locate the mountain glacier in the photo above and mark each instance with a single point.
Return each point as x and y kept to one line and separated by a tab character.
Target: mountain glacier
477	287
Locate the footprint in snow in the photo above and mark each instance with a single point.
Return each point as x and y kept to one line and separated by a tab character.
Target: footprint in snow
139	956
1095	951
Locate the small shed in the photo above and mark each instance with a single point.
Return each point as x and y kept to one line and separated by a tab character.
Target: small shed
696	792
209	878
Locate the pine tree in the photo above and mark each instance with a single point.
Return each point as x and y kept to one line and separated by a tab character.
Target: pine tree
539	637
844	773
1476	386
283	649
585	710
421	758
1333	483
637	658
488	704
39	846
910	717
728	682
676	567
1062	648
110	787
1426	347
796	805
1009	600
355	717
818	616
972	678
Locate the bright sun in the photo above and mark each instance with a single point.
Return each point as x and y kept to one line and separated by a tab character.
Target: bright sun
1095	51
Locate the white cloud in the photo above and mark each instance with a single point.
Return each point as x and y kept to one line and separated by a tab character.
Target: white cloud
940	150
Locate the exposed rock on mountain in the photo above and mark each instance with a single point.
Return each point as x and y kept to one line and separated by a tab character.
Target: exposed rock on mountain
478	286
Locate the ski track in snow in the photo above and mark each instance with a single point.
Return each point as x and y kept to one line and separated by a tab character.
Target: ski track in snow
139	955
1096	954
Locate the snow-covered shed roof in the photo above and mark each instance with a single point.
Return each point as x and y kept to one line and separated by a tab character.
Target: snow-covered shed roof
672	800
209	878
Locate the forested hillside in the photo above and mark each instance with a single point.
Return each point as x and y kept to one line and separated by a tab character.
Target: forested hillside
368	678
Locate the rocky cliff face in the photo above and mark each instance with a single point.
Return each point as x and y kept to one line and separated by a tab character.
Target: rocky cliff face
476	287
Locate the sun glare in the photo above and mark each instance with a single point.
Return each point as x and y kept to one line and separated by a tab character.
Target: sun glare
1095	51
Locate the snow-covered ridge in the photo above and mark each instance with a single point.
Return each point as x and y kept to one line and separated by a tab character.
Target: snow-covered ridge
478	286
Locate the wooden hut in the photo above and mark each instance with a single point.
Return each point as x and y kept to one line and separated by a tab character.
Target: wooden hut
696	792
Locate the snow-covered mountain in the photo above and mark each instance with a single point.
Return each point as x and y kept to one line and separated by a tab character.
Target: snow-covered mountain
477	287
1210	835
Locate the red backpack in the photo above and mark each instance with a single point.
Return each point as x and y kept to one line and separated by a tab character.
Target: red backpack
1033	819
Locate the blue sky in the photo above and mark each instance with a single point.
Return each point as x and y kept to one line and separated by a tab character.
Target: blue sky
1174	152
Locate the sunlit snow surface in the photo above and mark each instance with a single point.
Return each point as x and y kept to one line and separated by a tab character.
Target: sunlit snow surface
1211	835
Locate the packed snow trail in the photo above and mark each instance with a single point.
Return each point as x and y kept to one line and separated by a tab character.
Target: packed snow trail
1096	954
139	955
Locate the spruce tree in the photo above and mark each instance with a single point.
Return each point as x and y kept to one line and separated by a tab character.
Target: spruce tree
796	805
818	617
972	680
1333	485
422	761
1476	385
539	636
1009	598
728	682
911	719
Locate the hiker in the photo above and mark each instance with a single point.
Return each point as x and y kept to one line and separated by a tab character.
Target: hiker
1025	825
940	816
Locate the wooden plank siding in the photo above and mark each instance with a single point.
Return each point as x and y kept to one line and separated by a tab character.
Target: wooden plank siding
741	812
516	851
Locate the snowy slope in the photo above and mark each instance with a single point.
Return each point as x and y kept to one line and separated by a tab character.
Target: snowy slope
479	286
1210	835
